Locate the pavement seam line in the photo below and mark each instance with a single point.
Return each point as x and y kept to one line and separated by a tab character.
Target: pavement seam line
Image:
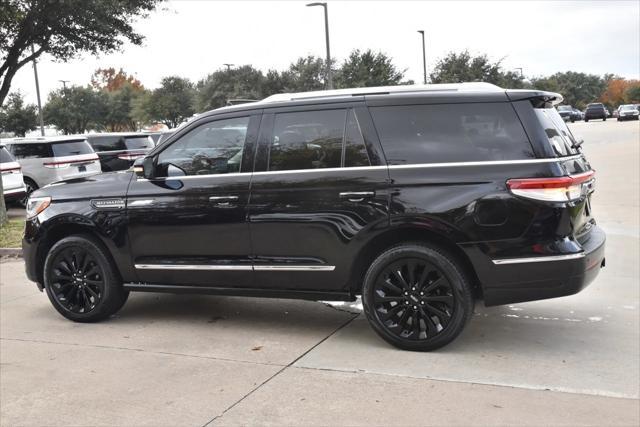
140	350
351	319
610	395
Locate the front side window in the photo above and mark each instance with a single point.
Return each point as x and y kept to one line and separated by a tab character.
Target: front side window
307	140
211	148
413	134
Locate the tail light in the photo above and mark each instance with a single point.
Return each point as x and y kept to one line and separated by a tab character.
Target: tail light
11	169
131	156
555	189
66	164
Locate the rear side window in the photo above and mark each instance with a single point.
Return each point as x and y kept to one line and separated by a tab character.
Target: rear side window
138	142
445	133
31	151
107	143
559	135
5	156
71	148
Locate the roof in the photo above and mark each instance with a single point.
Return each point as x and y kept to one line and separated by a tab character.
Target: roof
41	139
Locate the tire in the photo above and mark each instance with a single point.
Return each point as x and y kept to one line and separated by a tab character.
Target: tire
437	296
81	297
586	120
604	120
30	186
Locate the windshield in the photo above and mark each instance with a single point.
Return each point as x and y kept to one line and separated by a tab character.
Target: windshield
142	142
564	108
561	138
628	107
5	157
71	148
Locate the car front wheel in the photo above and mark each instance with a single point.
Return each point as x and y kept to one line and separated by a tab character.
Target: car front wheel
81	281
417	297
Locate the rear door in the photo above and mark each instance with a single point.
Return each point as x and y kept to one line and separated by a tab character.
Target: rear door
319	188
189	225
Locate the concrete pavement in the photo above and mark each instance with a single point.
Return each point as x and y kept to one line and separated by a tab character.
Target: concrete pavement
204	360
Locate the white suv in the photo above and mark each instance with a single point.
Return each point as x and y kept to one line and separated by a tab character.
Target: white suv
49	159
12	183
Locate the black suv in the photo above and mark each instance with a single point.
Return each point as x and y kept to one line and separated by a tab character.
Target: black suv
595	111
420	199
118	151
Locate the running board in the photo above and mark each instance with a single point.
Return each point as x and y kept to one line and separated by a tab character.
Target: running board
242	292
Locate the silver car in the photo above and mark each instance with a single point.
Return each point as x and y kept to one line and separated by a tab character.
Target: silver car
12	182
45	160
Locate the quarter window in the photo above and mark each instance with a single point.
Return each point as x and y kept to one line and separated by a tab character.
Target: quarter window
307	140
211	148
451	133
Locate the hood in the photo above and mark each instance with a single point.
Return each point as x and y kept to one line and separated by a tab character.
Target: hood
111	184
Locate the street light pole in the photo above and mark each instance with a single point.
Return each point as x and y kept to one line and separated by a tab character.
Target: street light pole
35	73
424	57
521	74
326	32
228	66
64	84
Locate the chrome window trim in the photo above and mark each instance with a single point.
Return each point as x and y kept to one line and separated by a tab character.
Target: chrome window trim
538	259
366	168
235	267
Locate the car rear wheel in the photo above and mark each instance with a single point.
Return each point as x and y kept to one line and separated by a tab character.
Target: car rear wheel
417	297
81	281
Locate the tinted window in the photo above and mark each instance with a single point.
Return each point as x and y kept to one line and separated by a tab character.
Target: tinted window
138	142
71	148
559	135
355	151
307	140
30	151
5	157
451	133
107	143
211	148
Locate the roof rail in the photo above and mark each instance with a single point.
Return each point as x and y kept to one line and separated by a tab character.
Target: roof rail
384	90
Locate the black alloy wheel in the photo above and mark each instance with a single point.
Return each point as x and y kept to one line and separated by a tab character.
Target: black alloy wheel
81	281
417	297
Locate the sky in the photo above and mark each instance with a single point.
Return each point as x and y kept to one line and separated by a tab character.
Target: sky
194	38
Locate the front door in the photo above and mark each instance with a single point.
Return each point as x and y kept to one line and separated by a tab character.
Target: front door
188	226
319	190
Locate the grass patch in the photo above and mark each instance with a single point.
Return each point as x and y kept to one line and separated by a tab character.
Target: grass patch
11	234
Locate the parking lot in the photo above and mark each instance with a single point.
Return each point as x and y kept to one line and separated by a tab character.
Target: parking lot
210	360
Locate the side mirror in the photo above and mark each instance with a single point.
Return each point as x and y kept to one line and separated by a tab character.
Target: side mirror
143	167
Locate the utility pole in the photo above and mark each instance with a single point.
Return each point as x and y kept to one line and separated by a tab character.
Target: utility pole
64	84
228	66
35	73
521	74
424	57
326	33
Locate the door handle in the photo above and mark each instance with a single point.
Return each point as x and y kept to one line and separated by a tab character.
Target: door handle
357	196
223	201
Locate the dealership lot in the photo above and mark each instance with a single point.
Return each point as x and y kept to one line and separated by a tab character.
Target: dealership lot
194	360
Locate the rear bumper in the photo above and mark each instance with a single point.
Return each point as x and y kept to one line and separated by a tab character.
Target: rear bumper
548	276
14	193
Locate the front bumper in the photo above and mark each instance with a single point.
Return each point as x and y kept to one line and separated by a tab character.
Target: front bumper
549	276
628	117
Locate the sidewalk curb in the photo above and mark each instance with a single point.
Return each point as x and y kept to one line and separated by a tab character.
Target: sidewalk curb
11	252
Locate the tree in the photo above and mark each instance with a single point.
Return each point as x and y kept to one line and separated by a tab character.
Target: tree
223	85
578	89
109	80
462	67
306	74
63	29
76	109
366	69
119	117
17	117
632	94
170	104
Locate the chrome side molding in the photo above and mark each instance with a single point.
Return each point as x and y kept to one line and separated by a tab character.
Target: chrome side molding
210	267
538	259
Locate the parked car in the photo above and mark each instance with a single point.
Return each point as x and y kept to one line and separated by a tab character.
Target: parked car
11	172
596	110
164	136
418	199
628	112
45	160
568	113
578	114
118	151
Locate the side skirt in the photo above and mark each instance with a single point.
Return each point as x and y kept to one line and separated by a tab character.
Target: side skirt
244	292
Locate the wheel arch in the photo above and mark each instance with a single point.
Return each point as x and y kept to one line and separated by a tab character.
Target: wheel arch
409	234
